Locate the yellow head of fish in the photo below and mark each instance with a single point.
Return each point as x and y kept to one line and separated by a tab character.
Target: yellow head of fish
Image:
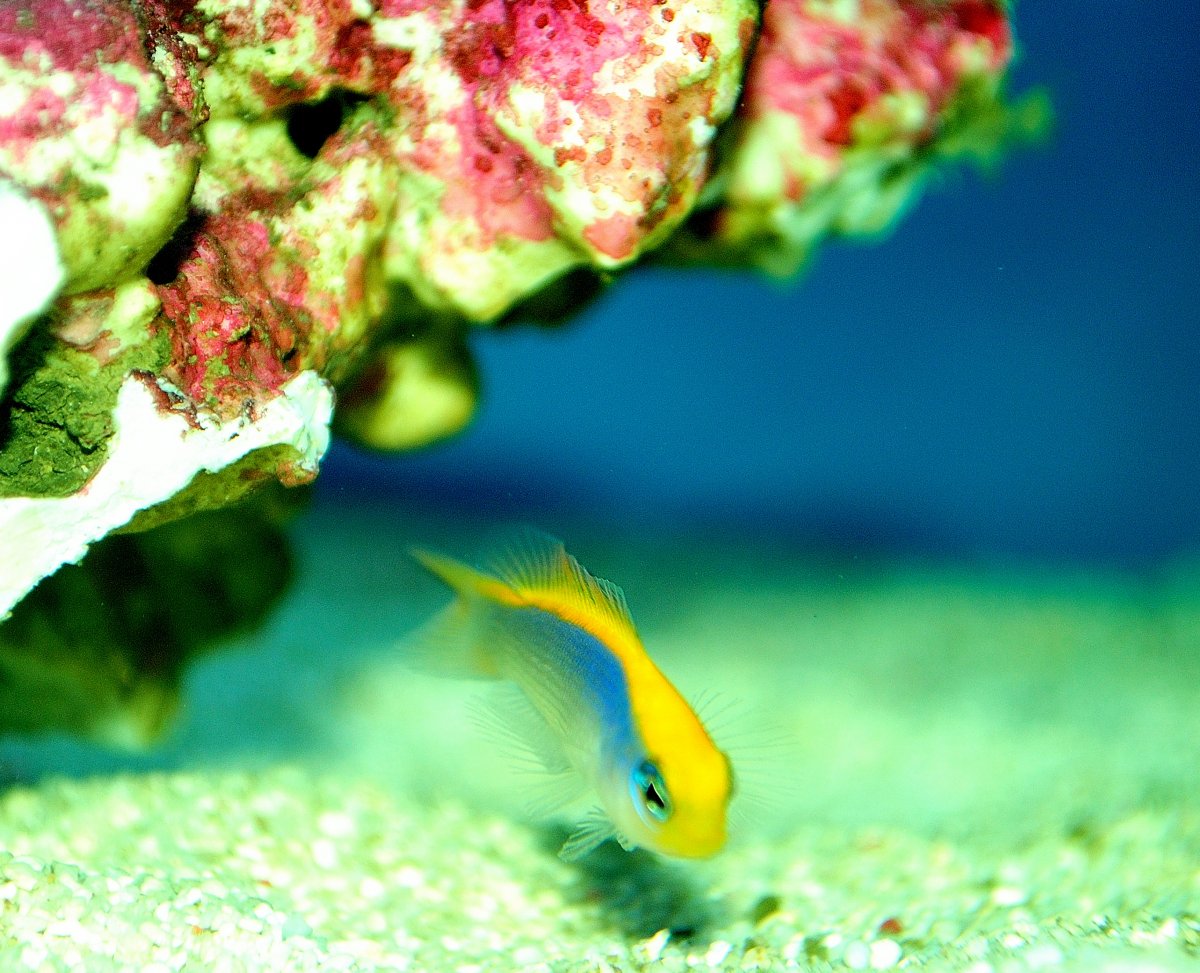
676	803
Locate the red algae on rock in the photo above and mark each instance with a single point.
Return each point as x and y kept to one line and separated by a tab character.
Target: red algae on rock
844	106
836	78
265	290
528	123
514	139
226	346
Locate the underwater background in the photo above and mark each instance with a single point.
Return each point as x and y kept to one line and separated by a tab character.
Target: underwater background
1014	372
930	513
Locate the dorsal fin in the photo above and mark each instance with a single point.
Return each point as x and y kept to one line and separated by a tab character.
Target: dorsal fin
538	569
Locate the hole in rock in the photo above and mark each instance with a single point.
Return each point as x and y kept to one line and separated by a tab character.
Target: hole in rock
310	125
164	265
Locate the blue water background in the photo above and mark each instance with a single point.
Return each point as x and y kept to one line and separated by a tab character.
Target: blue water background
1013	373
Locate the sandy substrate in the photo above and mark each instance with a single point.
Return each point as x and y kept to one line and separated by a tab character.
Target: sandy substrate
979	771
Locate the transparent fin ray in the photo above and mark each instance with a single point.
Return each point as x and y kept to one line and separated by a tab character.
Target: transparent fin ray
552	794
507	718
589	834
531	562
450	644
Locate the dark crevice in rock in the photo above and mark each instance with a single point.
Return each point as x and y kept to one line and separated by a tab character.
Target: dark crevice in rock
311	125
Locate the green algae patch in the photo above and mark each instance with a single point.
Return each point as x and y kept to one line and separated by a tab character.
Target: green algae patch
56	420
57	417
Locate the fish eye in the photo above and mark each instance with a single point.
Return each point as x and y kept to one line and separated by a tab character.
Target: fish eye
650	792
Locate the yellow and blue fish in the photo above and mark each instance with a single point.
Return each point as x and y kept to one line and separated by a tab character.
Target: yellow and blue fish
534	616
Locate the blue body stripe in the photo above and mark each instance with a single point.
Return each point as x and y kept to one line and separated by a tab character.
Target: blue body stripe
590	672
600	671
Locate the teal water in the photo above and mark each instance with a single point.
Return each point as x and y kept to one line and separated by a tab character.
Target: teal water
910	694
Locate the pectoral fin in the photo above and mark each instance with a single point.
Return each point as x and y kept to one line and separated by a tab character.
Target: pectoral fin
589	834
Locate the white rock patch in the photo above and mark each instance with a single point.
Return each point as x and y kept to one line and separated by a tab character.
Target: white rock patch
153	456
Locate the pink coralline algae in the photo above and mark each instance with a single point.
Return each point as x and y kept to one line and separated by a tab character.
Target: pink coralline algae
836	78
529	137
843	107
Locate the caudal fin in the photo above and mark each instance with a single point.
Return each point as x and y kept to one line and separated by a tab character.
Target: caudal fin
456	641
